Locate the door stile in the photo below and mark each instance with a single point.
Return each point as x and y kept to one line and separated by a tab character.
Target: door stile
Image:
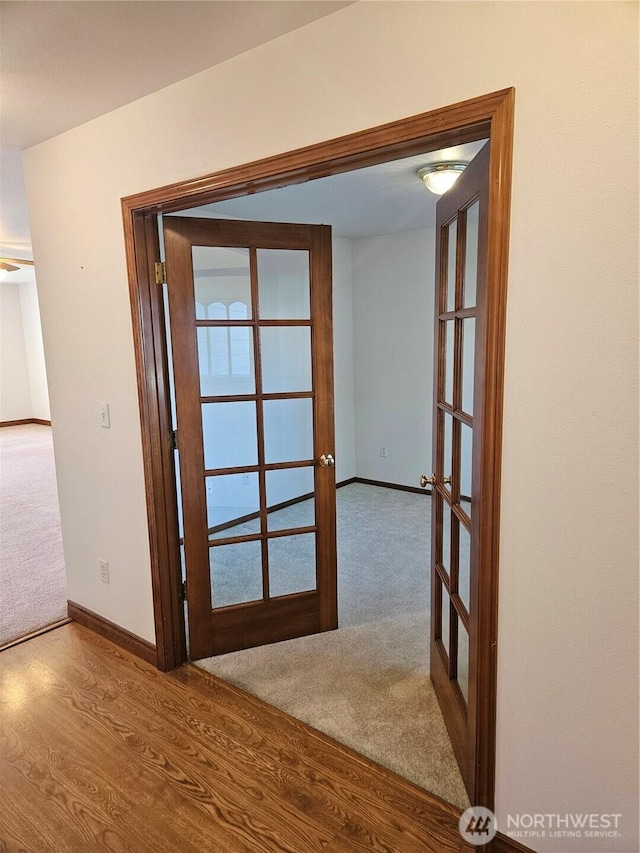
325	478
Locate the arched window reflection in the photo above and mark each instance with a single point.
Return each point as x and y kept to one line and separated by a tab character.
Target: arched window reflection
227	349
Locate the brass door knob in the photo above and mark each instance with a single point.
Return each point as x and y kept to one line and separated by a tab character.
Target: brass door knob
427	481
327	460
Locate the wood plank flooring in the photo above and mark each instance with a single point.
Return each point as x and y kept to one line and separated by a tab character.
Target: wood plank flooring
100	751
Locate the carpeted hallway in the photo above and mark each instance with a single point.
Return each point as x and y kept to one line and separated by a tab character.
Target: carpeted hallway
367	684
33	587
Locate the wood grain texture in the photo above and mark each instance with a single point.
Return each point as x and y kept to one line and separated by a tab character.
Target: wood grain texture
504	844
101	751
37	633
455	124
132	643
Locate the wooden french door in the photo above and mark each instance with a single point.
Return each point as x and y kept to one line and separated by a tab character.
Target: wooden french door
250	320
457	517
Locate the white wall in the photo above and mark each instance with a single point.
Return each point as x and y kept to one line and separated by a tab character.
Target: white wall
568	662
15	391
23	376
343	358
34	347
393	294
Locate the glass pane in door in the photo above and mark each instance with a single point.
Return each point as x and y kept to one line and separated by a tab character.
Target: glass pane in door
445	610
445	551
471	256
225	360
229	434
447	460
452	232
283	284
468	363
231	498
286	359
221	283
466	462
448	329
236	573
463	660
290	498
288	430
464	566
292	564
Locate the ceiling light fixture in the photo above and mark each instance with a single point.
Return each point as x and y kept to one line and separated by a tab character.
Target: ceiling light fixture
440	177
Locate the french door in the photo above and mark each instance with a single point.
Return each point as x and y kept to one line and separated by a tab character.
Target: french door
250	319
457	492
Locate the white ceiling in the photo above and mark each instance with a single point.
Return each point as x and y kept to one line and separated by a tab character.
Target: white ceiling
66	62
383	199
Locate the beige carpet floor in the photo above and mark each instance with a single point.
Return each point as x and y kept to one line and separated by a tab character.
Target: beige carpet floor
33	589
367	684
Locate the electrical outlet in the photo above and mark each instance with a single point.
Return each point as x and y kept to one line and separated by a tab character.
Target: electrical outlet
246	479
383	450
103	413
104	571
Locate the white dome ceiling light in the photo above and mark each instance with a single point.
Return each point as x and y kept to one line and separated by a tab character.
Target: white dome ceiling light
440	177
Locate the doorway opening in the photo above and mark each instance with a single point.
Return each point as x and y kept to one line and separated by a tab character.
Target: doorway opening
487	117
32	568
367	684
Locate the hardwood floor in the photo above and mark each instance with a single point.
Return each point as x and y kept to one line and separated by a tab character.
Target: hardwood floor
101	751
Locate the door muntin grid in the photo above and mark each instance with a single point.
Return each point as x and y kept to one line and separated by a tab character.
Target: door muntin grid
258	426
454	441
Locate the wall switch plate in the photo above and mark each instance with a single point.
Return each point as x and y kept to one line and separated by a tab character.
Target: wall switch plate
104	571
383	450
245	479
103	412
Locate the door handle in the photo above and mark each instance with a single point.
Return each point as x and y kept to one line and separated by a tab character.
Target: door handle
427	481
327	460
432	480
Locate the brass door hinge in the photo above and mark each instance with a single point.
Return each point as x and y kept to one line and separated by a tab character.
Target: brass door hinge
183	591
173	439
161	272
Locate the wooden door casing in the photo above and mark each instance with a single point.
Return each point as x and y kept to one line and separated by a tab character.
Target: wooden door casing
489	115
